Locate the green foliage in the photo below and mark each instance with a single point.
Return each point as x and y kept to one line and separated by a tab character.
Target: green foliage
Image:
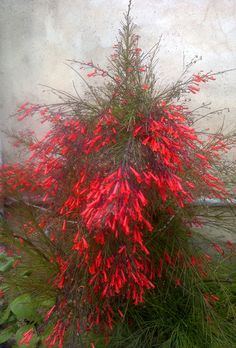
19	308
23	307
5	262
16	317
28	276
6	334
4	316
181	318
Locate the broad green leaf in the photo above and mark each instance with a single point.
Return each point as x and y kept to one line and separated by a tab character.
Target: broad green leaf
3	257
6	334
5	315
23	307
47	303
12	318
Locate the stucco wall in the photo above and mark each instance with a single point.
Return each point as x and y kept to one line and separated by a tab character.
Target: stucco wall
38	36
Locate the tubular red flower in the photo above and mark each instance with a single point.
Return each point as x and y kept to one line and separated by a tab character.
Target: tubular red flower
27	337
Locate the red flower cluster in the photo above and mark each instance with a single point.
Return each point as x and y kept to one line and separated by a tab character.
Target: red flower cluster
106	183
197	79
106	206
27	337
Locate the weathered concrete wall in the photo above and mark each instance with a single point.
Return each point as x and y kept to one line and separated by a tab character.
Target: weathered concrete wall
37	36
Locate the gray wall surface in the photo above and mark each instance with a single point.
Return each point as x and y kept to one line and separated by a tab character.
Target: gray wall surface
38	36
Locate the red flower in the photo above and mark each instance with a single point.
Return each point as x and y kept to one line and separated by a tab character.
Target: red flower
168	259
218	248
138	50
64	226
143	69
215	298
120	313
193	89
48	314
145	87
92	74
210	298
22	107
230	245
27	337
177	282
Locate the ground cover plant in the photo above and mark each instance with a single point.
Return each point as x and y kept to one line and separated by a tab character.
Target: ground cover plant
103	219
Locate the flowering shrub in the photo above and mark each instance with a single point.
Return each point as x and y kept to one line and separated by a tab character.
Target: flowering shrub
107	198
